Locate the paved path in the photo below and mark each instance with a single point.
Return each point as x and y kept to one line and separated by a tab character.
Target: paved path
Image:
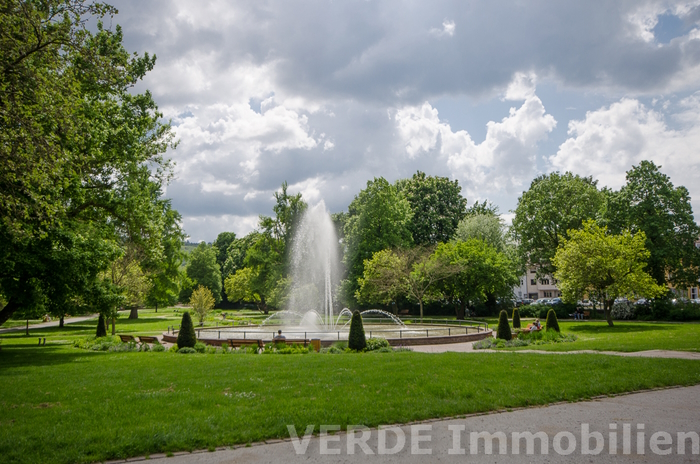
44	325
673	411
468	348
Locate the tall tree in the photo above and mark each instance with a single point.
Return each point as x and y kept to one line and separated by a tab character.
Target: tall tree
164	269
378	218
80	152
607	266
437	206
484	273
486	227
203	270
651	204
554	204
222	243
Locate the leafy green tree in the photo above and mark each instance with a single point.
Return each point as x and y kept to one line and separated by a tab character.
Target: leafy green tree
651	204
240	287
383	279
554	204
603	266
484	208
486	227
203	269
378	218
165	274
483	272
222	243
82	154
413	272
236	253
202	301
437	206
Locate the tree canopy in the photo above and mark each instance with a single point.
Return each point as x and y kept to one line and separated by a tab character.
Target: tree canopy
378	218
437	206
203	270
82	166
595	263
554	204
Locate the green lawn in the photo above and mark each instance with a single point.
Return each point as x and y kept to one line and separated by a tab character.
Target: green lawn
627	336
61	404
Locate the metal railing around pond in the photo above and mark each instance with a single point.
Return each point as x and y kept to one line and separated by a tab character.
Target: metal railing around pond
437	328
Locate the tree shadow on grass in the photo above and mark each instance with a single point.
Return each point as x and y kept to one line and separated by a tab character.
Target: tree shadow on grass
618	328
18	356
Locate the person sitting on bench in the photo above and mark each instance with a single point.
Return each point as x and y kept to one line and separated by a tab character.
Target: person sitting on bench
279	336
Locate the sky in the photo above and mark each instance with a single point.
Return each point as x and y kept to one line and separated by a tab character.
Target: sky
327	95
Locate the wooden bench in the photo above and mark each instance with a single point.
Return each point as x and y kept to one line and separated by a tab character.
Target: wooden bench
127	338
144	339
238	342
404	312
586	314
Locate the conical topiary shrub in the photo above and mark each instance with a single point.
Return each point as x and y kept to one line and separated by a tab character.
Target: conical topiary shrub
101	326
516	318
186	336
552	322
356	338
503	331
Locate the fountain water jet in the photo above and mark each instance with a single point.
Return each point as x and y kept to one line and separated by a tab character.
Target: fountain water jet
314	266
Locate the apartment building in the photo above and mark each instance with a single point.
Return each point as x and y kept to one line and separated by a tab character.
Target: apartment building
535	288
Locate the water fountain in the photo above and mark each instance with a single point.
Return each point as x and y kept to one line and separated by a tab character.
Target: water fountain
309	312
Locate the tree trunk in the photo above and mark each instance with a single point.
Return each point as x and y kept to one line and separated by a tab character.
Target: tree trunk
420	303
607	305
114	320
60	321
134	314
461	307
27	327
156	307
7	311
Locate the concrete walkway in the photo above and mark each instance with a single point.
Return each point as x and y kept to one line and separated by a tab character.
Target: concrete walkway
44	325
468	348
590	431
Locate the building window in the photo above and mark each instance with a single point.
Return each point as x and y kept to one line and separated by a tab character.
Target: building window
533	282
548	294
544	281
693	293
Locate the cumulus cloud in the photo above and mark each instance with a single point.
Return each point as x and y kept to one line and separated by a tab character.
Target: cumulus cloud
504	160
610	140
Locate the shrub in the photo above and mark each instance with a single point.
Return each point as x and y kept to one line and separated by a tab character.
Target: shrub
552	322
356	338
376	344
200	347
186	350
174	348
101	327
144	347
503	331
516	318
623	311
158	348
186	337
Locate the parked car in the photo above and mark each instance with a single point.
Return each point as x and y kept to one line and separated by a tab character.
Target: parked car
527	301
695	301
555	301
641	301
584	303
542	301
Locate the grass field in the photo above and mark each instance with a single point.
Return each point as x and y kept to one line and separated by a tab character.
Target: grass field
61	404
627	336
